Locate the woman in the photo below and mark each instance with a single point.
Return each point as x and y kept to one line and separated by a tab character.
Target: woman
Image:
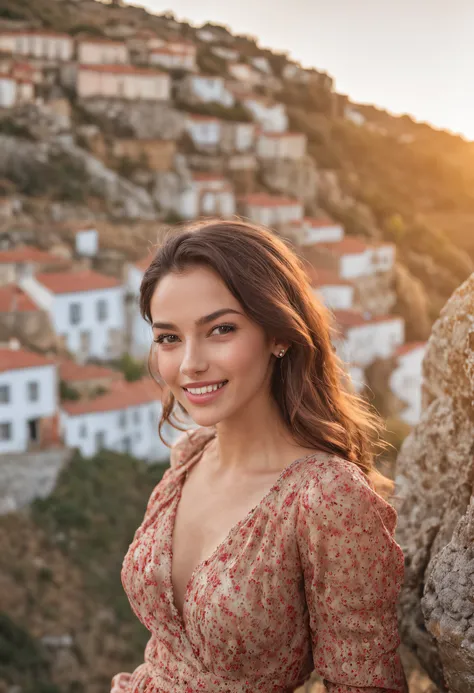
264	553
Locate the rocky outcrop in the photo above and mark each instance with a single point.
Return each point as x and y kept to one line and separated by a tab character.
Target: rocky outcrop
43	167
287	177
375	293
434	489
140	119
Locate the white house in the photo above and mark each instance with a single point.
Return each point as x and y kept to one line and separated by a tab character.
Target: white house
125	419
205	131
295	73
205	89
271	210
39	43
281	145
383	256
354	116
406	379
86	309
206	195
174	55
225	53
139	332
271	116
101	51
350	258
321	230
122	82
86	241
207	35
335	293
28	399
261	63
15	91
363	338
237	137
243	72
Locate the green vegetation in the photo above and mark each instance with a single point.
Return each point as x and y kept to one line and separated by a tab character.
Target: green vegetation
96	507
131	368
8	126
216	110
23	661
67	392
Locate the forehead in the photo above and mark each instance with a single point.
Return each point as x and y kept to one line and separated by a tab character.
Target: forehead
194	292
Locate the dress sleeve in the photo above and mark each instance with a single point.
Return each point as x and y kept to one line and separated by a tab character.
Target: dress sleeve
353	572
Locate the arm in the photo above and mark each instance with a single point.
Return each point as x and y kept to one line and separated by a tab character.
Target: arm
353	571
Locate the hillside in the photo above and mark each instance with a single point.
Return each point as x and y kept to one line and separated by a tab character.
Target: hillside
65	623
391	178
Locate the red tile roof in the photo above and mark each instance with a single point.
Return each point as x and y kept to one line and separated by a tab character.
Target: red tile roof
123	70
320	222
266	200
121	396
326	277
204	176
15	359
13	299
347	246
99	39
34	32
75	282
408	347
203	118
281	135
354	318
30	254
70	371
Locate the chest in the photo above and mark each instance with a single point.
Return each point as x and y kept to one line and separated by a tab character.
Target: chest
205	516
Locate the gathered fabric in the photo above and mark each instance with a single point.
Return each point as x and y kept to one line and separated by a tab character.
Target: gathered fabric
308	580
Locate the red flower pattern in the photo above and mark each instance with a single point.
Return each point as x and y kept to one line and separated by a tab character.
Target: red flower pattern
309	579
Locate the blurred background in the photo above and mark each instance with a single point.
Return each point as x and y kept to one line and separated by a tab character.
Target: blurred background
344	127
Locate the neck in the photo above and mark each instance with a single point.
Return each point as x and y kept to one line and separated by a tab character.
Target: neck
254	438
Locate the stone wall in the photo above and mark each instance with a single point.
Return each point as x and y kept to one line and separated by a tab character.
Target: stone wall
24	477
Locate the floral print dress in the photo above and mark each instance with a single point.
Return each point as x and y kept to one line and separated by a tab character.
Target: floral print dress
309	579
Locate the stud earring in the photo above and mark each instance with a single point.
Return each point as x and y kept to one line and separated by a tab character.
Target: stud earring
281	354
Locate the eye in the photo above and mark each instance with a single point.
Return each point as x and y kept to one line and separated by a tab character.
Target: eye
225	329
162	337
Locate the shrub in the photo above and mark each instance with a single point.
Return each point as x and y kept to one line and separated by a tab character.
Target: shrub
66	392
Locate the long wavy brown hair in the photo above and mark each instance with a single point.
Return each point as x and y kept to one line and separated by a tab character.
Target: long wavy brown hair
270	282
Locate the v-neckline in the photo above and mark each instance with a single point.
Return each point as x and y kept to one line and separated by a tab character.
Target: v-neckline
236	526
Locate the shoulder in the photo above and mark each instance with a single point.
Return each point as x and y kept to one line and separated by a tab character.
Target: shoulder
335	486
189	444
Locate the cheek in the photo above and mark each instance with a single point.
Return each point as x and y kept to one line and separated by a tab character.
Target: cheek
247	357
166	364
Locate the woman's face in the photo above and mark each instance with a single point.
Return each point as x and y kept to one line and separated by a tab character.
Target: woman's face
203	339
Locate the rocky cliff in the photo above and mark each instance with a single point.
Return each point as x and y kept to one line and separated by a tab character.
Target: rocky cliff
435	484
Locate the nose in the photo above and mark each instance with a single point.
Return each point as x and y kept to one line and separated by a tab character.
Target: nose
193	361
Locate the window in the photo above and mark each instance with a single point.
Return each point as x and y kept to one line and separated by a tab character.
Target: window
82	431
33	391
101	307
75	313
5	430
122	419
4	394
99	440
137	416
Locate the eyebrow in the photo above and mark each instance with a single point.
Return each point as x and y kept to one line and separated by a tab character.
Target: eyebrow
201	321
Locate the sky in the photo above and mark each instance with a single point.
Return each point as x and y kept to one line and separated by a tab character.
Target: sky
408	56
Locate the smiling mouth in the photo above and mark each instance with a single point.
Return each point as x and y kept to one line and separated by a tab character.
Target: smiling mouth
205	390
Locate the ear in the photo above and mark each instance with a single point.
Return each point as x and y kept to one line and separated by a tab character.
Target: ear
279	348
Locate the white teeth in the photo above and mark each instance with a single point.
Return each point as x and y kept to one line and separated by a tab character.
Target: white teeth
204	390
